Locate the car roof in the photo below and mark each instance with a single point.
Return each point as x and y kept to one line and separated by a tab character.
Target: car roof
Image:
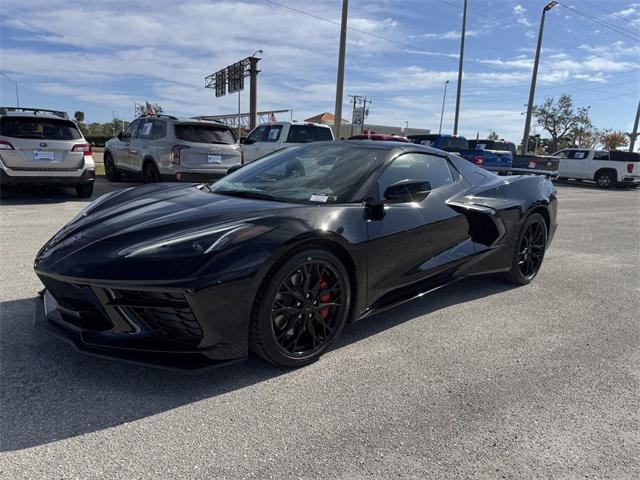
33	113
406	147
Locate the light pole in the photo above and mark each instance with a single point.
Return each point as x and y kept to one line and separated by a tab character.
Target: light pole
444	97
534	76
113	122
406	127
459	86
337	121
15	84
257	52
634	132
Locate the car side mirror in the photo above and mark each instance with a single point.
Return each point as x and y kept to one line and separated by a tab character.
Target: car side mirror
242	140
248	141
408	190
119	135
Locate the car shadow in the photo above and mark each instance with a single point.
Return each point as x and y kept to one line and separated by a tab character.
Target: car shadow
51	392
29	194
587	185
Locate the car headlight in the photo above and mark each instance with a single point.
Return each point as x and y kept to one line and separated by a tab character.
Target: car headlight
196	242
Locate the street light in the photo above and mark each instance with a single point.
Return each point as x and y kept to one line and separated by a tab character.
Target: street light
532	91
15	84
444	97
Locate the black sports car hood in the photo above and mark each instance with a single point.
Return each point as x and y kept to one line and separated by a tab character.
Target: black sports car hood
137	215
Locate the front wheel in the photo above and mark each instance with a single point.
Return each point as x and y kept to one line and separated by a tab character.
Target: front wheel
301	309
530	248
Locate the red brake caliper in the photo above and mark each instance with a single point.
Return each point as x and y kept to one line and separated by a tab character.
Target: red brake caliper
324	298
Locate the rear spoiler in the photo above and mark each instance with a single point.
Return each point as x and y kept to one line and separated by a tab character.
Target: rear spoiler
523	171
35	111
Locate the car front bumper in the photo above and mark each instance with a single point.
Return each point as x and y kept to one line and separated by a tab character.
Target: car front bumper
159	326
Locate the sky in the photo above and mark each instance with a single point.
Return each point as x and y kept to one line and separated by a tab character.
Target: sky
101	57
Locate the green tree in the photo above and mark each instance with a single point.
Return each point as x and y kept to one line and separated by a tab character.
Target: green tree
561	119
79	116
612	139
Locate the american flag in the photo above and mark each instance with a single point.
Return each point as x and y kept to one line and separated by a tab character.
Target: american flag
151	110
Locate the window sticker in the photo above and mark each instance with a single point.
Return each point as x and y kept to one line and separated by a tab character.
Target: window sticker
579	155
319	198
146	129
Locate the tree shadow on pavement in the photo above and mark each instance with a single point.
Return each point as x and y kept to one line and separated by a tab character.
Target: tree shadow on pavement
51	392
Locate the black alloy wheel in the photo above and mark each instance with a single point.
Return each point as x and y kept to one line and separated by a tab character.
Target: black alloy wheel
150	173
110	170
303	309
530	250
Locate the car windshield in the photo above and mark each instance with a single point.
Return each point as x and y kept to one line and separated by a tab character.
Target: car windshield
39	128
306	174
204	133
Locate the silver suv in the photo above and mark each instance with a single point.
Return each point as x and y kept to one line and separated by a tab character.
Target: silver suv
44	146
165	148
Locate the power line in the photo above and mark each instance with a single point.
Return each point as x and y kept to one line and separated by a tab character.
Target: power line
618	30
611	13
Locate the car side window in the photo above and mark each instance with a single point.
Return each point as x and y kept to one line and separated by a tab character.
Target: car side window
601	155
274	133
159	129
132	129
562	154
145	131
580	154
416	166
258	134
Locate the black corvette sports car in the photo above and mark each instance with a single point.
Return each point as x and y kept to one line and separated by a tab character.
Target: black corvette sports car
278	256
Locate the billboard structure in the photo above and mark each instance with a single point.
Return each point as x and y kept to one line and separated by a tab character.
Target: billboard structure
230	80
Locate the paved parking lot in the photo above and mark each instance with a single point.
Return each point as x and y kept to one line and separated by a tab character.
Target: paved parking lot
478	380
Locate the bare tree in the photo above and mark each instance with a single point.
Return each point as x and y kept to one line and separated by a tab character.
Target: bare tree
493	136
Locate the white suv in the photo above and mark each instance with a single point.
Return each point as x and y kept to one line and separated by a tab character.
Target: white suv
44	146
270	137
605	168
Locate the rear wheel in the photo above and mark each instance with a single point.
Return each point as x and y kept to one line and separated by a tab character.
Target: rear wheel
84	190
605	179
110	170
150	173
301	309
529	252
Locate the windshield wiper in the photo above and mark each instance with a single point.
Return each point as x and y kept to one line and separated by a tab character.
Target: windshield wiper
246	194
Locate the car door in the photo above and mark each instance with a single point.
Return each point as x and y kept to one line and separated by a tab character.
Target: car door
121	153
417	241
564	167
253	144
580	164
138	144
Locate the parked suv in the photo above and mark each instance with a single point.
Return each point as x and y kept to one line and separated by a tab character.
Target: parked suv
165	148
43	146
274	136
605	168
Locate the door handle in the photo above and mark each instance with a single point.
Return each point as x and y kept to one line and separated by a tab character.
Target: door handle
133	151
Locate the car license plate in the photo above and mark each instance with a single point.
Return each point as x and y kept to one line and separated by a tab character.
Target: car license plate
43	155
214	158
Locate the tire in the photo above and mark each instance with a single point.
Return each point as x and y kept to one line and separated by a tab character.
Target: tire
605	180
531	238
110	170
84	190
150	172
289	326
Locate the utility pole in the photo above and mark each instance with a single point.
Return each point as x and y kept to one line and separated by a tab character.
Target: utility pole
634	133
239	132
253	94
459	86
534	76
337	121
444	97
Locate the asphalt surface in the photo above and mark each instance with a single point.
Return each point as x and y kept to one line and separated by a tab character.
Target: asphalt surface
478	380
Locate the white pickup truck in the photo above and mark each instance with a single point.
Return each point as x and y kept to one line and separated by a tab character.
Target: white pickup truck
270	137
606	168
